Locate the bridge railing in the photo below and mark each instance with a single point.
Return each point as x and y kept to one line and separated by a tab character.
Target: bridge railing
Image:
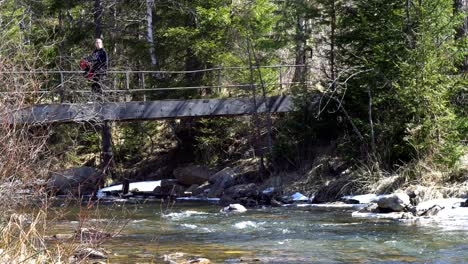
55	86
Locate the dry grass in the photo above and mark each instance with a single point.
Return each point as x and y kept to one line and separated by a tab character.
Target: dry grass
25	163
22	240
431	181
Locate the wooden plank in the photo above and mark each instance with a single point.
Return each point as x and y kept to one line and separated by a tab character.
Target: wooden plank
149	110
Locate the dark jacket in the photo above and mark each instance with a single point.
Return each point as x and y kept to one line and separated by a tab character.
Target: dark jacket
99	61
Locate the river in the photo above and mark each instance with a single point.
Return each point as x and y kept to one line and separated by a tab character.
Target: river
267	235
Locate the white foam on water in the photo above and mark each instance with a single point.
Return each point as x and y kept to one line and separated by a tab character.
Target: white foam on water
340	224
140	220
182	215
247	224
207	230
284	241
189	226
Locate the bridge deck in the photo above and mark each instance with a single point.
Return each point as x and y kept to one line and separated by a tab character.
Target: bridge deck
149	110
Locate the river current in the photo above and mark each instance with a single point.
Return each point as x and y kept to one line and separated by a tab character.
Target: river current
266	235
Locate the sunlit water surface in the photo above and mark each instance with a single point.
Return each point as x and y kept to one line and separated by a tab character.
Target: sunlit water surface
268	235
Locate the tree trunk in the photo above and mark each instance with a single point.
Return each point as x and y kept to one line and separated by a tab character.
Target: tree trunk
371	123
461	6
300	49
191	61
62	42
409	25
332	45
257	145
115	26
25	25
149	34
97	18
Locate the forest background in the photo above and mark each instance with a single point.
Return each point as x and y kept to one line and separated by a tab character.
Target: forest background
390	77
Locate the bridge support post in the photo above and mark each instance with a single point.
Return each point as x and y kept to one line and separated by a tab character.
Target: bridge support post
106	156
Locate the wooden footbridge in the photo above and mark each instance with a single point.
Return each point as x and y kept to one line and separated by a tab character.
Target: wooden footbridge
150	110
65	96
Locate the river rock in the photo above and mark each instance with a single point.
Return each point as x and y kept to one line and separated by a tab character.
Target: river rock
80	180
234	208
269	197
193	174
419	193
87	252
181	258
61	237
249	190
275	203
199	261
91	234
169	188
222	179
245	194
173	258
464	204
446	203
396	202
286	199
227	200
248	202
370	208
202	189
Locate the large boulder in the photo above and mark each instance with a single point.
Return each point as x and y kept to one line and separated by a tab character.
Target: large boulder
396	202
80	180
370	208
168	188
245	194
221	180
243	191
193	174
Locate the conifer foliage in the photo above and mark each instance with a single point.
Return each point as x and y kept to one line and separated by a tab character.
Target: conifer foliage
395	70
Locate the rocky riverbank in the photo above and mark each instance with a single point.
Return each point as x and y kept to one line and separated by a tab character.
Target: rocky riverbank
238	185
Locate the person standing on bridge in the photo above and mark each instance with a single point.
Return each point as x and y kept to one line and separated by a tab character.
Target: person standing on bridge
98	61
